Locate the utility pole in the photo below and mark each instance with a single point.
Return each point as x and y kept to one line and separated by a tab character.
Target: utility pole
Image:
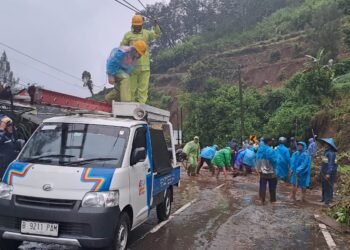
182	130
241	101
178	127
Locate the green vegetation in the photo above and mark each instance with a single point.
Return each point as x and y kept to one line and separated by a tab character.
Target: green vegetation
341	210
288	111
319	18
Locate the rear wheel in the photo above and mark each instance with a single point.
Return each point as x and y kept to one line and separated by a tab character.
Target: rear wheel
164	208
9	244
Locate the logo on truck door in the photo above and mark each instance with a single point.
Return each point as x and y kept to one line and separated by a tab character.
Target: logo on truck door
141	187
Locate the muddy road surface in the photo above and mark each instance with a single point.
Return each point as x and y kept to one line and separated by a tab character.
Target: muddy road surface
222	214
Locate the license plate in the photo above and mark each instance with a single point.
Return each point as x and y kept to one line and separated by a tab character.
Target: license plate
39	228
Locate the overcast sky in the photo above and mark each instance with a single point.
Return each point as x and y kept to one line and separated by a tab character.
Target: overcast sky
72	35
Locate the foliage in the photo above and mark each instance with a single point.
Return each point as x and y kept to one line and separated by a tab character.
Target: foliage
159	99
346	31
324	32
292	118
341	210
275	56
257	21
214	116
283	112
342	67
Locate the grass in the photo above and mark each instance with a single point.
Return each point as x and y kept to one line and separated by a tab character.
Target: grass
344	169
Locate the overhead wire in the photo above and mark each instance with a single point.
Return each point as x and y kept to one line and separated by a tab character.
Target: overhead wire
48	65
39	61
142	4
46	73
132	6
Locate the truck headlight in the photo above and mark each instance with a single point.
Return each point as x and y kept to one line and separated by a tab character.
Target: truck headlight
101	199
5	191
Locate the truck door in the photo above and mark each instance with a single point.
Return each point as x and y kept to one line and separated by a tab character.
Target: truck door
138	172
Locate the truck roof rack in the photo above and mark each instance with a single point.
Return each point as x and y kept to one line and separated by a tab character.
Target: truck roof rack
140	111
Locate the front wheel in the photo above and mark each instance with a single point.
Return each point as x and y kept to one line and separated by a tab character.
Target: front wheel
9	244
122	233
164	208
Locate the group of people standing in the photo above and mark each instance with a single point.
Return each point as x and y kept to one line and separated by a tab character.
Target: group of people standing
288	162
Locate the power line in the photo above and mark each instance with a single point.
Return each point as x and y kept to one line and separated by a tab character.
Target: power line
126	6
142	4
48	65
39	61
48	74
133	6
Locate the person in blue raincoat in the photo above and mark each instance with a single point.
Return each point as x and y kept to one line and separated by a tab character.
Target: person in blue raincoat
328	170
120	65
312	149
239	159
266	168
283	160
301	170
249	160
207	154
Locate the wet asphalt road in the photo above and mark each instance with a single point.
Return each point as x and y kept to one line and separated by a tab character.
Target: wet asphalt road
230	217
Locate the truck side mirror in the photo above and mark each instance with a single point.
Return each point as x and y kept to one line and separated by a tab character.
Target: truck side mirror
138	155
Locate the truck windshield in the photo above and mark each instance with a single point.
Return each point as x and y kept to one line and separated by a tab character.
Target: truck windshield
68	144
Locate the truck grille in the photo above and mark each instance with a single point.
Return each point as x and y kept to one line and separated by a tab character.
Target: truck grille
43	202
65	228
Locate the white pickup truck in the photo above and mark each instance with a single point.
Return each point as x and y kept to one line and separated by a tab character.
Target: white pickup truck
87	180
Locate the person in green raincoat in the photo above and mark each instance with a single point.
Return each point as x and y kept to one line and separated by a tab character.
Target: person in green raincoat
222	160
139	78
192	151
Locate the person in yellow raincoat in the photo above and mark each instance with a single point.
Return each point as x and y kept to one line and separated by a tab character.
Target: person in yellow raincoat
139	78
192	151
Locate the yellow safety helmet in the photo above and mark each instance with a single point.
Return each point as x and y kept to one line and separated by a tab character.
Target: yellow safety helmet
141	47
137	20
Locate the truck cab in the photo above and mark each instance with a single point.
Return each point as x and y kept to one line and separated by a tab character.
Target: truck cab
87	180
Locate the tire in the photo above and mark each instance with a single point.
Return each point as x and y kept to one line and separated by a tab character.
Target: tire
122	232
164	208
9	244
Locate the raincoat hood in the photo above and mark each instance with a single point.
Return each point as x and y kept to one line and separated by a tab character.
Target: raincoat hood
330	142
304	145
311	140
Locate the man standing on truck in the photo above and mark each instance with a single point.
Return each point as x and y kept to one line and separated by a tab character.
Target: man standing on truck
139	78
8	145
120	64
192	150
